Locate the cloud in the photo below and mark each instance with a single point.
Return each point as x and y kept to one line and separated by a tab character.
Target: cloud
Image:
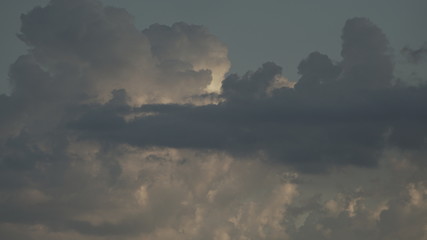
392	207
338	114
251	85
190	45
103	49
160	193
115	133
366	58
415	56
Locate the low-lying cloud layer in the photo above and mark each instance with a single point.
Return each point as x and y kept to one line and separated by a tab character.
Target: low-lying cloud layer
115	133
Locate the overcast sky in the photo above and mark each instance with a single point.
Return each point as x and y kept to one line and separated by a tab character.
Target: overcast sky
157	120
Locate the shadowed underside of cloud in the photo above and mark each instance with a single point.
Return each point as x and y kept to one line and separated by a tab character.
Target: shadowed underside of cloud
116	133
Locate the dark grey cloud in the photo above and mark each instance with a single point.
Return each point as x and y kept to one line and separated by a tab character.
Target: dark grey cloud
366	55
317	69
310	134
338	114
415	56
251	85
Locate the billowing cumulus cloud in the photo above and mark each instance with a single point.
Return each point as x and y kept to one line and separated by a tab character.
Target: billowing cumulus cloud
192	47
104	51
111	132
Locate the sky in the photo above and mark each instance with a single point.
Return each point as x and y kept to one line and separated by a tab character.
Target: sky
156	120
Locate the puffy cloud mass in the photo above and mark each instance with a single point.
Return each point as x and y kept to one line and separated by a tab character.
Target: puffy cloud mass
111	132
98	45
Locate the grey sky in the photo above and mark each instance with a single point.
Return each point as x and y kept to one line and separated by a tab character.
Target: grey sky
254	31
